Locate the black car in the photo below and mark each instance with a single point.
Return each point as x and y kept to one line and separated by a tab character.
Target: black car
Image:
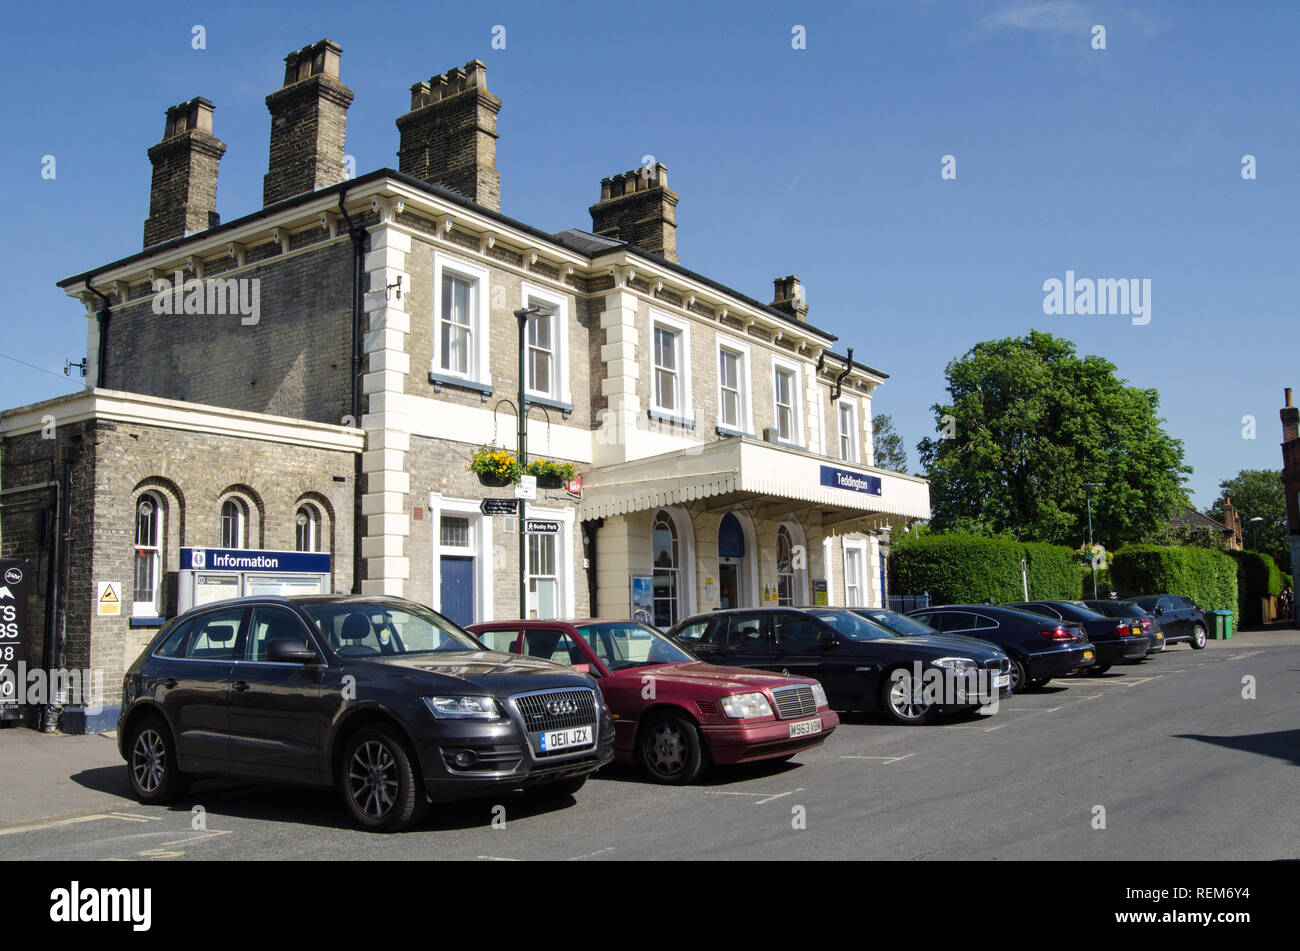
1124	609
860	664
1180	618
382	698
911	627
1039	648
1117	640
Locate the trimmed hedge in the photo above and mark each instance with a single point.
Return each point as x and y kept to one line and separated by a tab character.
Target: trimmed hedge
1258	575
970	569
1206	576
1053	573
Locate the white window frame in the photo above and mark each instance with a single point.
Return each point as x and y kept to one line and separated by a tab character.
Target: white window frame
854	432
685	404
559	341
149	608
241	523
744	379
480	548
859	549
796	397
313	527
480	370
564	560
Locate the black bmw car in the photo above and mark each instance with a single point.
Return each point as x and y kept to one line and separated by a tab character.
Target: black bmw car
1124	609
1117	640
382	698
860	664
1039	648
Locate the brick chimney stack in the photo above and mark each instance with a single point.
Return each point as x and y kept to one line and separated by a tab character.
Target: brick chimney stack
1291	473
449	137
787	295
183	193
309	117
638	207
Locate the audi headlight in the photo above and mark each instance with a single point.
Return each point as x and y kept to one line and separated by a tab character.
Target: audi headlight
463	708
743	706
819	694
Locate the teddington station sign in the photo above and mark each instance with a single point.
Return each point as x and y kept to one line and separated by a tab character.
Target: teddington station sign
853	481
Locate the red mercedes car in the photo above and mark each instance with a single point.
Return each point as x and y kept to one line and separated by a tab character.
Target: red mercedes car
673	713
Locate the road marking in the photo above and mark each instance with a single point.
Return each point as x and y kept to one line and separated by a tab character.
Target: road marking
199	838
74	820
578	858
496	858
887	759
159	854
761	797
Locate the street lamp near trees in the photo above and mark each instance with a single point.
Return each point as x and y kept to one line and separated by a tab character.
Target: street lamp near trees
1254	532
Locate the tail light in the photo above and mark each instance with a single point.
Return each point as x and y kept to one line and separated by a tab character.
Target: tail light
1057	634
1122	628
1146	624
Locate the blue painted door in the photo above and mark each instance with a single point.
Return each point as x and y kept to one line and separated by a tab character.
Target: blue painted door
458	589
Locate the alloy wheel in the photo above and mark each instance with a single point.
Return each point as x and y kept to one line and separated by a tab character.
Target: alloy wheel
372	779
667	748
149	761
902	700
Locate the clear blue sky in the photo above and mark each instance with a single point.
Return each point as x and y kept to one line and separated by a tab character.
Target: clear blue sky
823	162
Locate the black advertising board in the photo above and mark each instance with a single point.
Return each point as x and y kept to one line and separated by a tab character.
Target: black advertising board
13	630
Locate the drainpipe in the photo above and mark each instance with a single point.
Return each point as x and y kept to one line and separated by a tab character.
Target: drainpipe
839	380
589	530
358	235
103	317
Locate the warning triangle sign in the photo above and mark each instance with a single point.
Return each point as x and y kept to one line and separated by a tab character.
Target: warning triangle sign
109	596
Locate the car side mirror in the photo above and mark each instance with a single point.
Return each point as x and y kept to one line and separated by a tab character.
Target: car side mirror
287	650
827	638
1159	611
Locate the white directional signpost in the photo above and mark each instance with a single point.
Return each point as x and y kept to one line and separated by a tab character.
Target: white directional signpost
13	630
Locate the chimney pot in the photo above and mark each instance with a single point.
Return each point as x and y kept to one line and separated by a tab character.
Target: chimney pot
449	136
639	209
308	123
183	191
788	296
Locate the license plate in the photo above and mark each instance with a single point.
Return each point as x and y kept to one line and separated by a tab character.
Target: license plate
806	727
1002	680
1160	637
563	739
1087	655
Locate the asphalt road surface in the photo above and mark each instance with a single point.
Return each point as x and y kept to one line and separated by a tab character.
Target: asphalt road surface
1183	766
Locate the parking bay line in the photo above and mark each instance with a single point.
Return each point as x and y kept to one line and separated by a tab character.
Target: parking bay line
762	797
74	820
887	759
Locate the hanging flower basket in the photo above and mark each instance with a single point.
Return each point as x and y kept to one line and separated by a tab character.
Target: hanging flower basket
495	467
551	475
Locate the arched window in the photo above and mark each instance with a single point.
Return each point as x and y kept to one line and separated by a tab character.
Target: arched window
784	567
148	556
234	524
307	528
666	560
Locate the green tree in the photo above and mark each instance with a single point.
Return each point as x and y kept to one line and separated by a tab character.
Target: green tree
891	454
1027	424
1257	493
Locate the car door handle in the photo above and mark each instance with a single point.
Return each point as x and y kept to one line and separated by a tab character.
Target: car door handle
239	686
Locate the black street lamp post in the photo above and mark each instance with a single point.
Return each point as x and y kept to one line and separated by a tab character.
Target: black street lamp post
523	315
1092	558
